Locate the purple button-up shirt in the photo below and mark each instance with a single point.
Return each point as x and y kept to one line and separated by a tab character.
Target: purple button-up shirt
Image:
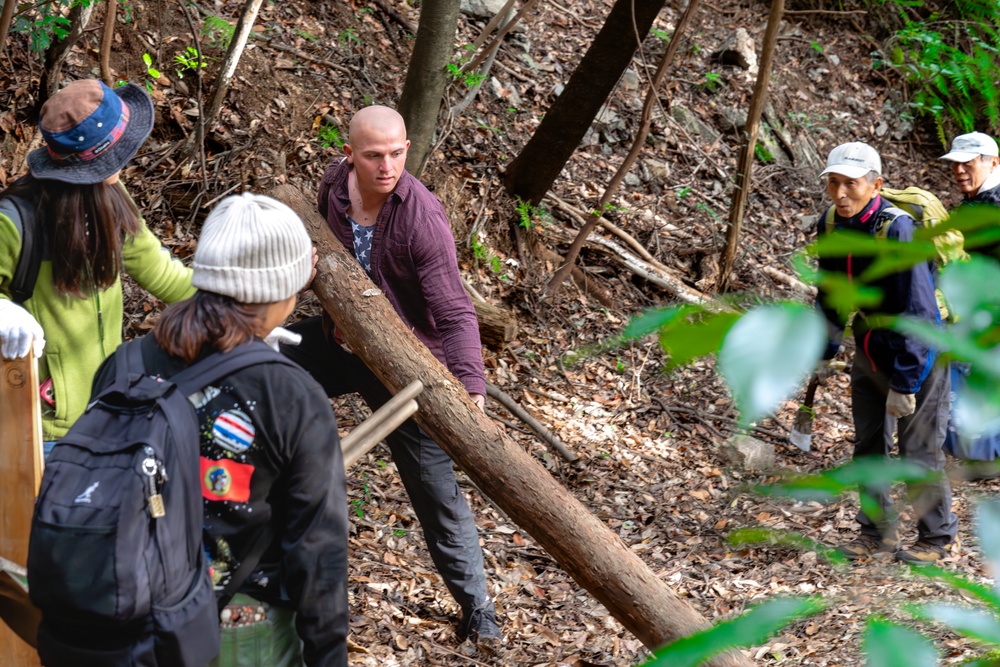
413	261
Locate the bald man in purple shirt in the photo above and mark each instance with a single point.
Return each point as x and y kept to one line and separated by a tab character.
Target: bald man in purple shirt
399	233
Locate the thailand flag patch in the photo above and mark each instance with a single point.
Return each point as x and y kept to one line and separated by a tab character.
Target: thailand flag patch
233	431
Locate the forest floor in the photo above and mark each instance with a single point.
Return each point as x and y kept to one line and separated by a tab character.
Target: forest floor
653	467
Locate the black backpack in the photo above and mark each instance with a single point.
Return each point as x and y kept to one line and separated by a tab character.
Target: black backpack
22	213
115	559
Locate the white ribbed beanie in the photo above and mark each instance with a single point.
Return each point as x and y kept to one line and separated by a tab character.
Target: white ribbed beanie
254	249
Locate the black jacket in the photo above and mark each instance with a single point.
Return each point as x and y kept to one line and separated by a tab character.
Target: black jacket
272	470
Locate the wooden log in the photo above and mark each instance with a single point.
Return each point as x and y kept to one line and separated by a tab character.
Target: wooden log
590	552
497	327
20	476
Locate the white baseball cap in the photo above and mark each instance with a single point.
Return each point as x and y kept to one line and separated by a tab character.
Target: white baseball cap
853	160
967	147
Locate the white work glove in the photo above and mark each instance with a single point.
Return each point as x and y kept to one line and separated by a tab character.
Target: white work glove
20	333
280	335
900	405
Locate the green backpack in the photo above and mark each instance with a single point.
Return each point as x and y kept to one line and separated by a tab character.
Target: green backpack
927	211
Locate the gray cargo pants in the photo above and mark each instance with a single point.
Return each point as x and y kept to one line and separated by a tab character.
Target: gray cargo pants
426	470
921	436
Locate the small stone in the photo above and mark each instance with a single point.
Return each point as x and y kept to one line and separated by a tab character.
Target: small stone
749	453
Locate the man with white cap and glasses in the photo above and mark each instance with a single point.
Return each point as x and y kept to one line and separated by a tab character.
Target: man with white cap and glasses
974	161
892	374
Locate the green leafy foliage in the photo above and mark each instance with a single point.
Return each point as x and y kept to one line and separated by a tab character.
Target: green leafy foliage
219	31
687	332
753	627
949	65
767	352
893	645
44	25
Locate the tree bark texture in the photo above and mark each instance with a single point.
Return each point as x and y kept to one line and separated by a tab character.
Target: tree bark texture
533	171
426	77
744	168
591	553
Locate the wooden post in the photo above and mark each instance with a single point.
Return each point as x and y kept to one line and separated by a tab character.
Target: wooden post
744	166
587	549
20	476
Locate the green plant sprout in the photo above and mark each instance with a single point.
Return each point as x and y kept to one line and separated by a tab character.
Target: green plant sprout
470	79
532	217
329	136
150	70
191	60
712	81
763	154
348	35
304	34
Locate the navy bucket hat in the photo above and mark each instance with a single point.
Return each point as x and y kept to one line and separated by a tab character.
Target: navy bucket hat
90	131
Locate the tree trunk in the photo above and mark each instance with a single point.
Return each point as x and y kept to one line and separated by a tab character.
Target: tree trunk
591	553
744	168
633	153
241	33
56	54
426	78
6	18
533	171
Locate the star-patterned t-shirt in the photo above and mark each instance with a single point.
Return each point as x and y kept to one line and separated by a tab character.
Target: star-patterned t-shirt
363	244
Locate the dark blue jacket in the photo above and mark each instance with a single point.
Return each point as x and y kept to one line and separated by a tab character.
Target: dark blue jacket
905	361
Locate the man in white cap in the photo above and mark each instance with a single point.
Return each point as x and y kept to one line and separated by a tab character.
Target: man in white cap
974	161
893	374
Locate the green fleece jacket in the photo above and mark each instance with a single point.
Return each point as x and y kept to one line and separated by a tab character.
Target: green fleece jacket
81	333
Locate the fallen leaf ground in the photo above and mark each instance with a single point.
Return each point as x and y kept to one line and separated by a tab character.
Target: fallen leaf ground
652	467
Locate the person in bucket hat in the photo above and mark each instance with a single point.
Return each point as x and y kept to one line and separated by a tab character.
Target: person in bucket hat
84	229
893	376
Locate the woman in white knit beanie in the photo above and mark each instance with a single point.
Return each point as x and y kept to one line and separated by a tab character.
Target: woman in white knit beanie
268	468
253	258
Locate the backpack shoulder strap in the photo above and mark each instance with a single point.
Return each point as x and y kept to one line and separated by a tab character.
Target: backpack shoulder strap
30	259
221	364
886	218
829	221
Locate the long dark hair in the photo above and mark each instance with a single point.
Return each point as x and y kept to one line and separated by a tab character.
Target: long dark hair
86	226
206	318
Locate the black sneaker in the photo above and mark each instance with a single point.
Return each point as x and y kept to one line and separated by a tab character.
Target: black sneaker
480	625
866	546
922	553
